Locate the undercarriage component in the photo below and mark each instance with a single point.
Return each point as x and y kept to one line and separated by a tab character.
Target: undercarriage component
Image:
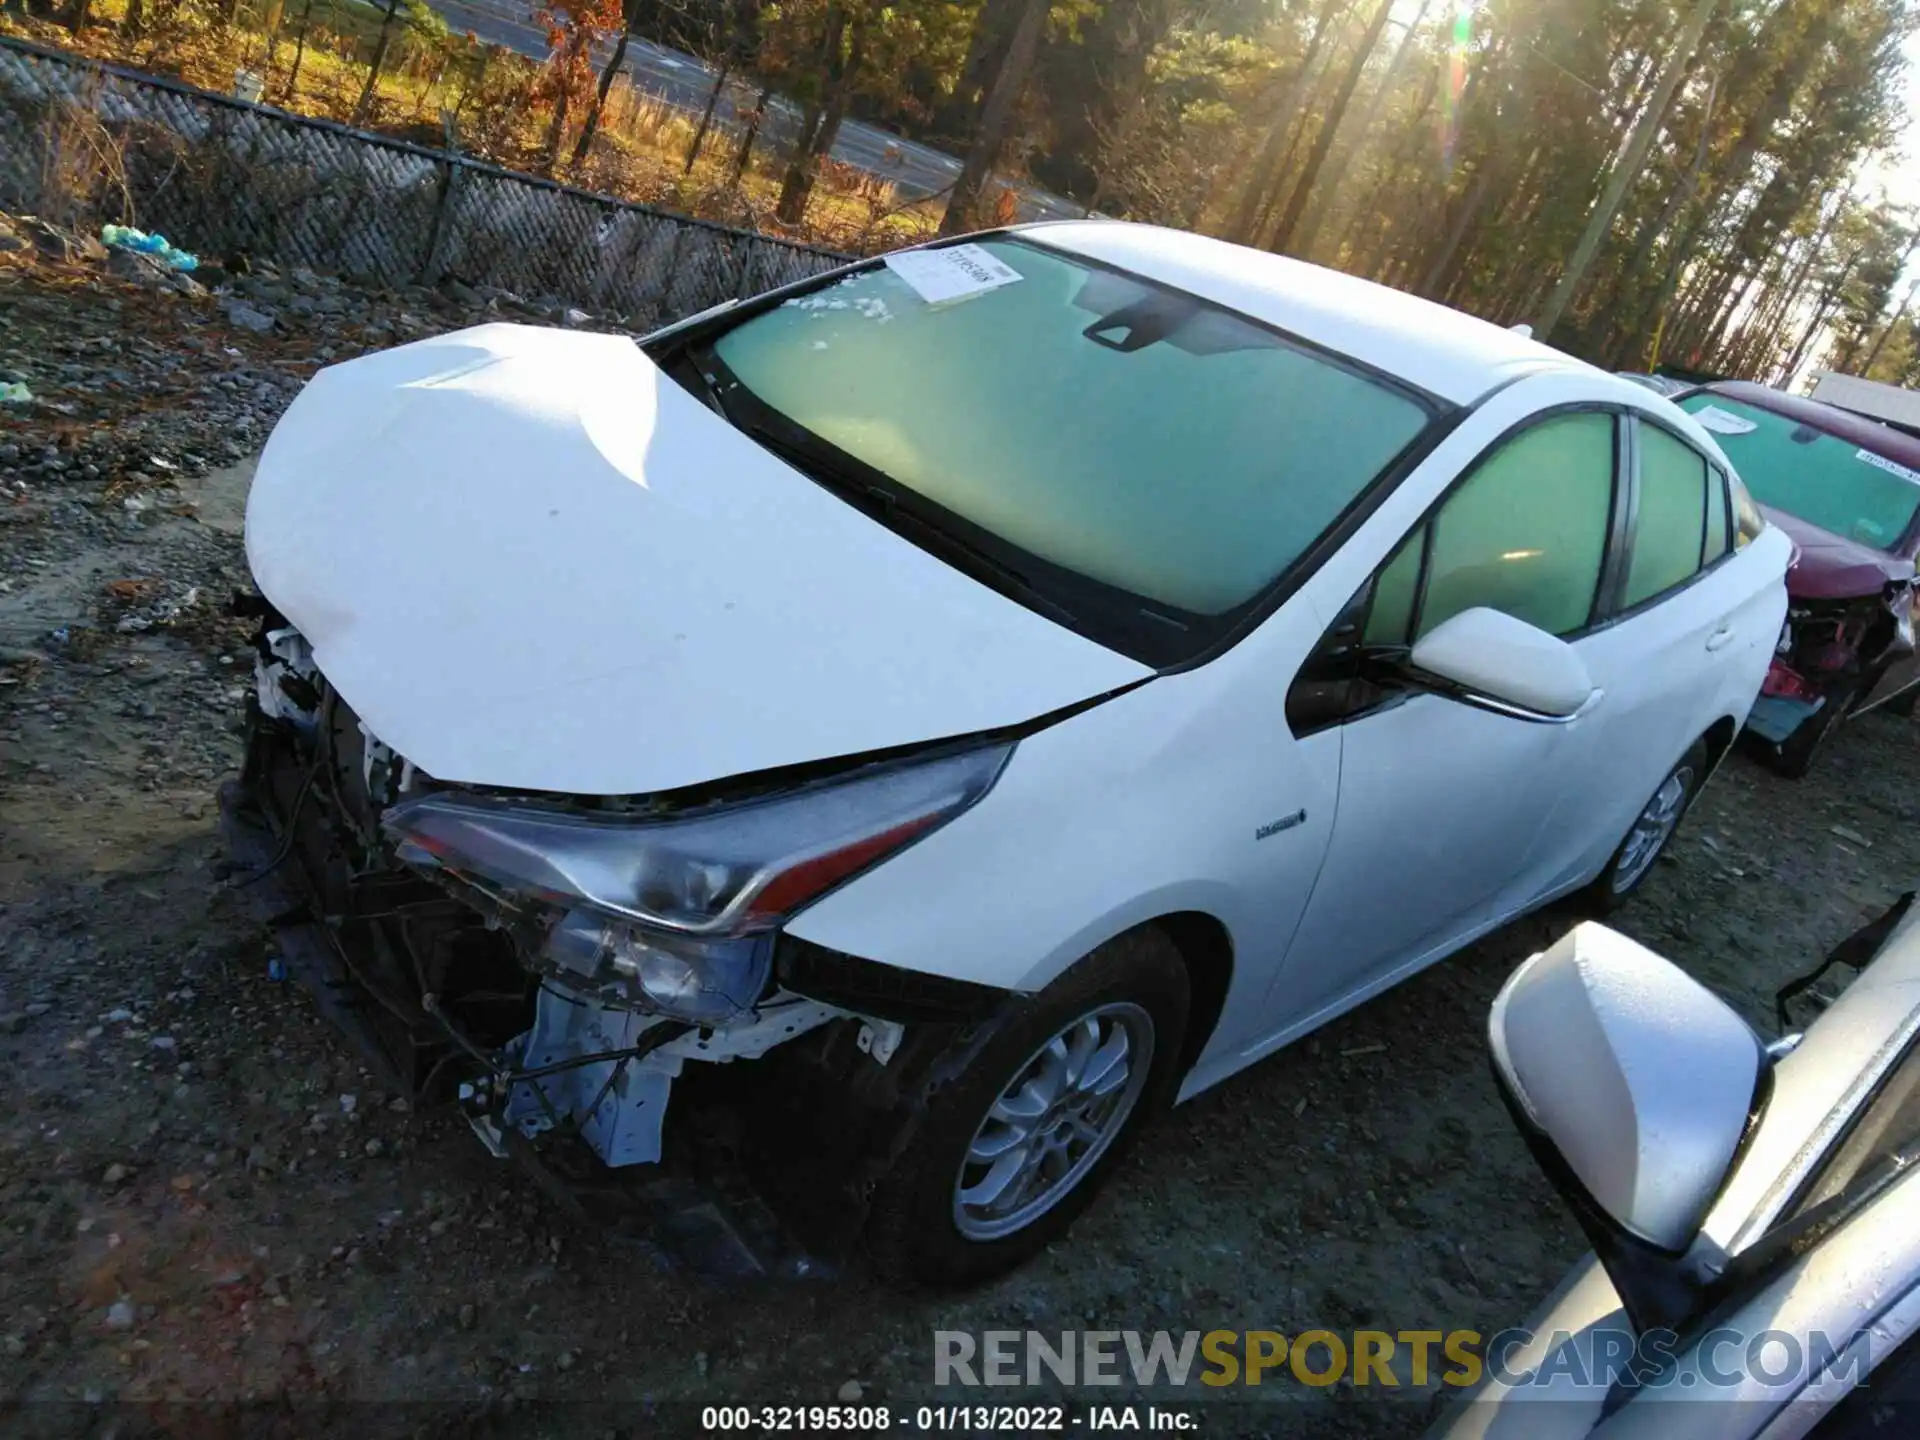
607	1071
618	1105
436	990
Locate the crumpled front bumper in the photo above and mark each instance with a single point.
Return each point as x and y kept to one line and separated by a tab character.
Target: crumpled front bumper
695	1214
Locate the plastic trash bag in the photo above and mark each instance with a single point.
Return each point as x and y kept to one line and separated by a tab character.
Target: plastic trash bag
12	392
125	237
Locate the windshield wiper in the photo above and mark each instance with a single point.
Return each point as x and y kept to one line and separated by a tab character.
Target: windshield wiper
690	375
819	468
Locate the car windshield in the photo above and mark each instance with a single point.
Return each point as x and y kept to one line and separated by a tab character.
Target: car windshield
1817	477
1127	434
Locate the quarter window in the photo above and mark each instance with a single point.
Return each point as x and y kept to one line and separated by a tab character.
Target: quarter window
1527	532
1669	535
1717	542
1395	591
1748	522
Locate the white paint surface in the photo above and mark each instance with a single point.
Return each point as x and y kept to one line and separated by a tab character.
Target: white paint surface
527	559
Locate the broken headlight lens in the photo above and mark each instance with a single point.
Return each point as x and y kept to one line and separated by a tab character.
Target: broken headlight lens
685	976
731	870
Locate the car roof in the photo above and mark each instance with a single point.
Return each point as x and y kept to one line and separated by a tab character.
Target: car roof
1882	440
1442	351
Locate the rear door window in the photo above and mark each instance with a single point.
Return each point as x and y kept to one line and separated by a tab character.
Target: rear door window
1669	536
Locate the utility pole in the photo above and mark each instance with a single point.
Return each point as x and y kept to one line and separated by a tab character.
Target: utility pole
1626	170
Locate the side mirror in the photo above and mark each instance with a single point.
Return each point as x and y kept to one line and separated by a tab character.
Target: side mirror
1492	660
1635	1086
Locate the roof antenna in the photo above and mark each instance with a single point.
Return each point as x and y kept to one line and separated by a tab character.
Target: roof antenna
1526	330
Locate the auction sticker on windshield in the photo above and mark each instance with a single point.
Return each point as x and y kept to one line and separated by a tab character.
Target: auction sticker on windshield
1722	423
951	272
1891	466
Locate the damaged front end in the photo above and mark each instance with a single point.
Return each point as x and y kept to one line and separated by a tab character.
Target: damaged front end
564	965
1831	654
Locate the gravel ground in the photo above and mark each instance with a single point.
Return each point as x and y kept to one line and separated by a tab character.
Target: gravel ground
205	1199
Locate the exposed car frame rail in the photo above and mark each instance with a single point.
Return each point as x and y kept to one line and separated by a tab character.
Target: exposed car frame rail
702	1218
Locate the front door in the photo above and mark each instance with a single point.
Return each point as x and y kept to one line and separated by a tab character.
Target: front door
1442	805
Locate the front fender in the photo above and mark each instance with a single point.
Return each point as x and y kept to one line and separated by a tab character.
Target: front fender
1144	806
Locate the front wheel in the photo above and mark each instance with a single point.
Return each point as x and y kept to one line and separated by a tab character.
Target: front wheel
1032	1116
1647	840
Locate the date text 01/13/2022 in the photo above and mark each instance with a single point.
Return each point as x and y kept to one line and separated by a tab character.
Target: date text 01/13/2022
946	1419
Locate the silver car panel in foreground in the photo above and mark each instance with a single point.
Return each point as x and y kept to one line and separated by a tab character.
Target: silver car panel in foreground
1754	1210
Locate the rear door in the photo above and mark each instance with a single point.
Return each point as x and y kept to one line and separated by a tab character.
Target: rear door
1685	636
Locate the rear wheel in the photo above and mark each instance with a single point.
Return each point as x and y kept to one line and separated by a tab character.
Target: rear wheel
1033	1115
1652	829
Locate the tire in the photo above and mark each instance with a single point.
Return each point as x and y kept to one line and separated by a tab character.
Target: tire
1793	757
1631	864
919	1230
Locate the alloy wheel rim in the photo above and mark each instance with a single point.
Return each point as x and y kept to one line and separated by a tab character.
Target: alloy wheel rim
1049	1126
1653	829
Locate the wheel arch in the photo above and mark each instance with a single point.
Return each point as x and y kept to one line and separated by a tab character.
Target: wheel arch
1206	949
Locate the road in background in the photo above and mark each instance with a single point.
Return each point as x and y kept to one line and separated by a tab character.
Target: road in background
915	170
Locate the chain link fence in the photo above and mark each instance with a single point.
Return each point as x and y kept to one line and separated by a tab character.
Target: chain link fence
220	176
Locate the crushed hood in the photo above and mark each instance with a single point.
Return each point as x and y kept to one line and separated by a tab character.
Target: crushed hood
528	559
1832	567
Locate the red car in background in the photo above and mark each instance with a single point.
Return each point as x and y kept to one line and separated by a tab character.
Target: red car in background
1847	490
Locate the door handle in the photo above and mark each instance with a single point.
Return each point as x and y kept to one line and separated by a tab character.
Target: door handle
1720	637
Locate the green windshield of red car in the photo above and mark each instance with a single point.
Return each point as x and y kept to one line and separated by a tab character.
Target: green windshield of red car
1810	474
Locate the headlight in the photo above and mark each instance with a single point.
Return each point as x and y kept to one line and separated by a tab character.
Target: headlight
688	977
681	907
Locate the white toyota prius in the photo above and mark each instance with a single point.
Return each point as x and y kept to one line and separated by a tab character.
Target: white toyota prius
991	691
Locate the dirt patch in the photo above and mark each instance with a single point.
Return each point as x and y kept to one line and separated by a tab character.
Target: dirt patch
206	1199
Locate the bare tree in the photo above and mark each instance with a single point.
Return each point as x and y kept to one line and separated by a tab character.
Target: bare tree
615	64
